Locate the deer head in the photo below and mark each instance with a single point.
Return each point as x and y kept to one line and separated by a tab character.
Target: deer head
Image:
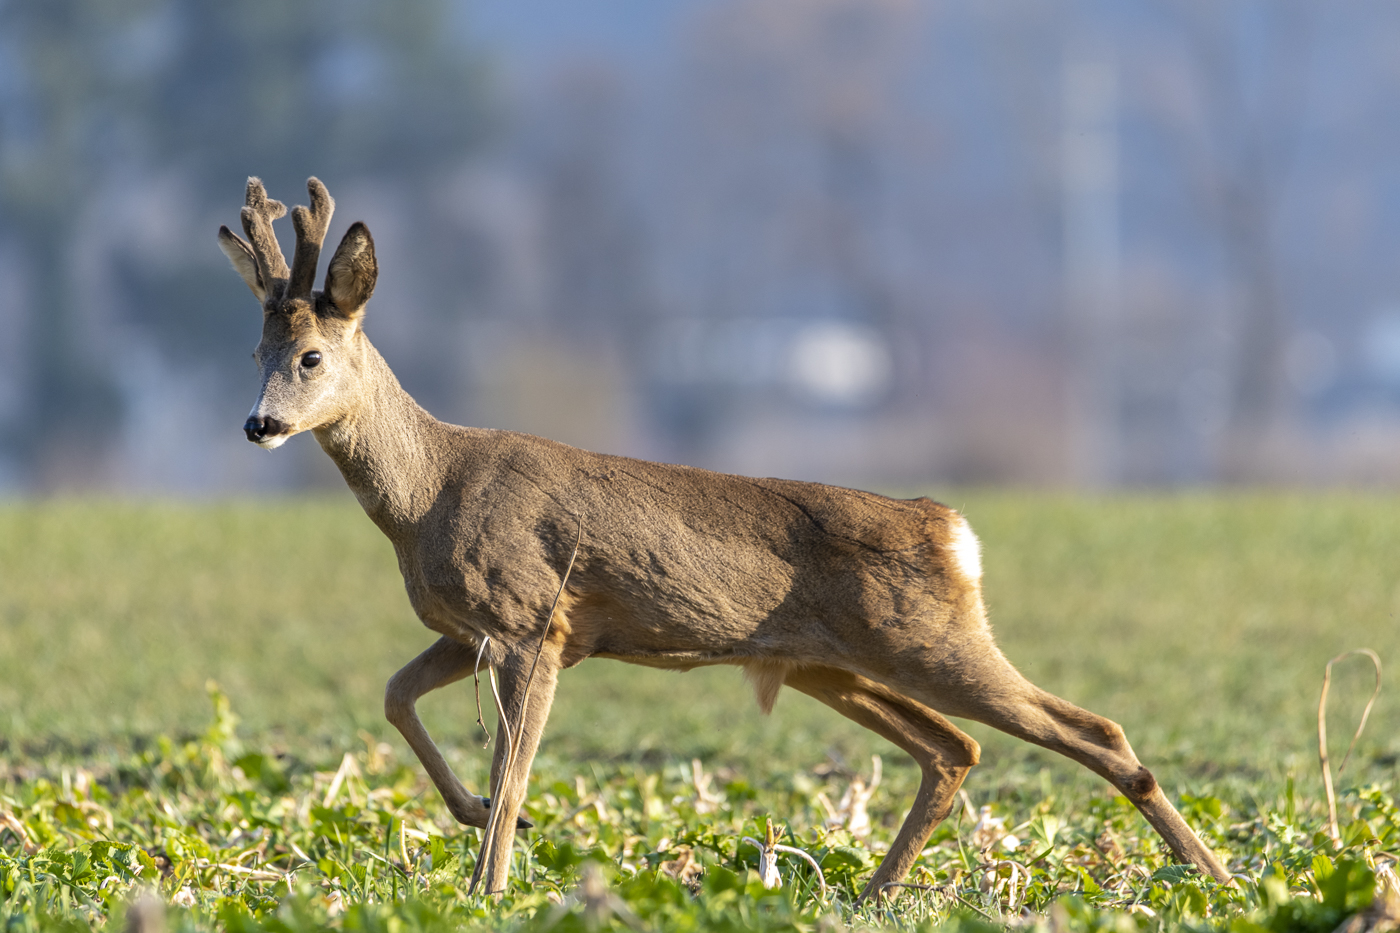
309	358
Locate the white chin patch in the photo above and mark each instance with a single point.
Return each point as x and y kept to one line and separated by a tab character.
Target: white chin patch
965	550
272	443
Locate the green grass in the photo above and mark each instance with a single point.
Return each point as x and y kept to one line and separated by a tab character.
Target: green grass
1200	622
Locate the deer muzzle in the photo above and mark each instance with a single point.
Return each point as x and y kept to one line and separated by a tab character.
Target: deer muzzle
260	429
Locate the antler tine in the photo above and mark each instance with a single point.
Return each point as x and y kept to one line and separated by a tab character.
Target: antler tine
311	227
258	213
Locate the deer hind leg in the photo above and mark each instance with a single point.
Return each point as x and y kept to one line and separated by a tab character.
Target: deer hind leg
446	662
943	752
1005	700
1100	745
522	725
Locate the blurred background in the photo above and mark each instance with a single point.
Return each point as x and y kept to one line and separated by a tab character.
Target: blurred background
873	242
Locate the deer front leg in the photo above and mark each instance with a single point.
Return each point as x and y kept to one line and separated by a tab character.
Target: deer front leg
446	662
525	701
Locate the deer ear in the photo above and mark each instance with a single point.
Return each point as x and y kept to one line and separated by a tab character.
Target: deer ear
353	270
244	262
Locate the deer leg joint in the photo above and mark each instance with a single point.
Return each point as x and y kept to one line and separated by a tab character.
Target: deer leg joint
1140	784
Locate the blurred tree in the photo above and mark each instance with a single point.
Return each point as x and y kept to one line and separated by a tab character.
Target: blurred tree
102	94
593	245
1251	73
56	115
794	129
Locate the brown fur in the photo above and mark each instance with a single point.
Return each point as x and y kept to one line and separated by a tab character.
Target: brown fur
869	604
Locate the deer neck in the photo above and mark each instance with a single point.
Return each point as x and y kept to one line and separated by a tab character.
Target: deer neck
385	447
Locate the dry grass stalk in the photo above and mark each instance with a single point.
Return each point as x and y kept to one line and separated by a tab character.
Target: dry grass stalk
348	768
987	830
852	813
9	822
1013	883
706	800
476	689
857	797
1333	829
253	874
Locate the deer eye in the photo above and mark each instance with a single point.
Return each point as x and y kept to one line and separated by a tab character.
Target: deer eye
311	360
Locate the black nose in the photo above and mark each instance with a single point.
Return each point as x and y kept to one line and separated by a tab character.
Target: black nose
258	428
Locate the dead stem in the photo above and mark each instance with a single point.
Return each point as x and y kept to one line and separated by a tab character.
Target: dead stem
476	688
1333	829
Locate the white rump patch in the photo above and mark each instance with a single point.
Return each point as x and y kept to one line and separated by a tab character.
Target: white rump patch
767	679
965	550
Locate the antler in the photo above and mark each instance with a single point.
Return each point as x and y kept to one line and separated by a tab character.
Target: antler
259	211
311	227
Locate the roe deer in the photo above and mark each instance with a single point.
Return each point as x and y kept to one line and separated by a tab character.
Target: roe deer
871	605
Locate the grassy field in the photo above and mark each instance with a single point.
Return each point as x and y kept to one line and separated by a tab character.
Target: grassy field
1199	622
